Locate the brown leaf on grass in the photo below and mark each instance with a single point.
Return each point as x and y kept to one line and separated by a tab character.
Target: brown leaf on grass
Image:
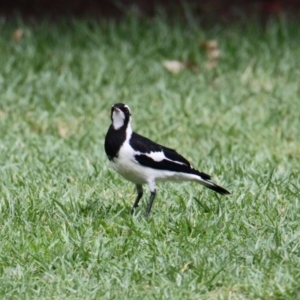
62	130
175	66
213	53
209	45
17	35
185	267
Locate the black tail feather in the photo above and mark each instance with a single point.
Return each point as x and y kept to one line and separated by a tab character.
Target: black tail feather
205	180
217	189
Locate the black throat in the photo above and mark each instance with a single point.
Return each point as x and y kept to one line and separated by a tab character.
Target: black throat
114	139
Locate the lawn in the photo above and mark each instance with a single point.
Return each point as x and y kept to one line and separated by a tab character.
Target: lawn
65	229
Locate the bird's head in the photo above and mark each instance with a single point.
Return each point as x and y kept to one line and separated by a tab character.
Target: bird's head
120	115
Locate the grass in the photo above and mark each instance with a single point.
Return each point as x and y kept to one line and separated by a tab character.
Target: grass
65	227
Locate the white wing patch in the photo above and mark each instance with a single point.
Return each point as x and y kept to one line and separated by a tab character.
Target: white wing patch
158	156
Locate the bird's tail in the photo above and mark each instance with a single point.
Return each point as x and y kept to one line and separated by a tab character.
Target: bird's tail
215	188
205	180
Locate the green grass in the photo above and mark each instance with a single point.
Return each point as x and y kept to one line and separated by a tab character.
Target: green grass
65	227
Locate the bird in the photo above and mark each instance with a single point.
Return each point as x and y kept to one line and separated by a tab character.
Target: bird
142	161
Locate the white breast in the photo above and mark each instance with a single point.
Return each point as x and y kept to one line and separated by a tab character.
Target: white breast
126	166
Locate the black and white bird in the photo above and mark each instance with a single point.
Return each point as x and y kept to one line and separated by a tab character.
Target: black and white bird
143	161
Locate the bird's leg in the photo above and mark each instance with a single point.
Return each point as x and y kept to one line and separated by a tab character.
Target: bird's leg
139	189
152	197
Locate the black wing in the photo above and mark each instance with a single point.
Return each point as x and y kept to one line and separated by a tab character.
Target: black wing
144	145
173	162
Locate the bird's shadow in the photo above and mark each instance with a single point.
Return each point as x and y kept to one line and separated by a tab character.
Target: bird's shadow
206	208
96	208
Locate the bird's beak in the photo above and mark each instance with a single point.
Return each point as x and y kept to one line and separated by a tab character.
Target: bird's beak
117	109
